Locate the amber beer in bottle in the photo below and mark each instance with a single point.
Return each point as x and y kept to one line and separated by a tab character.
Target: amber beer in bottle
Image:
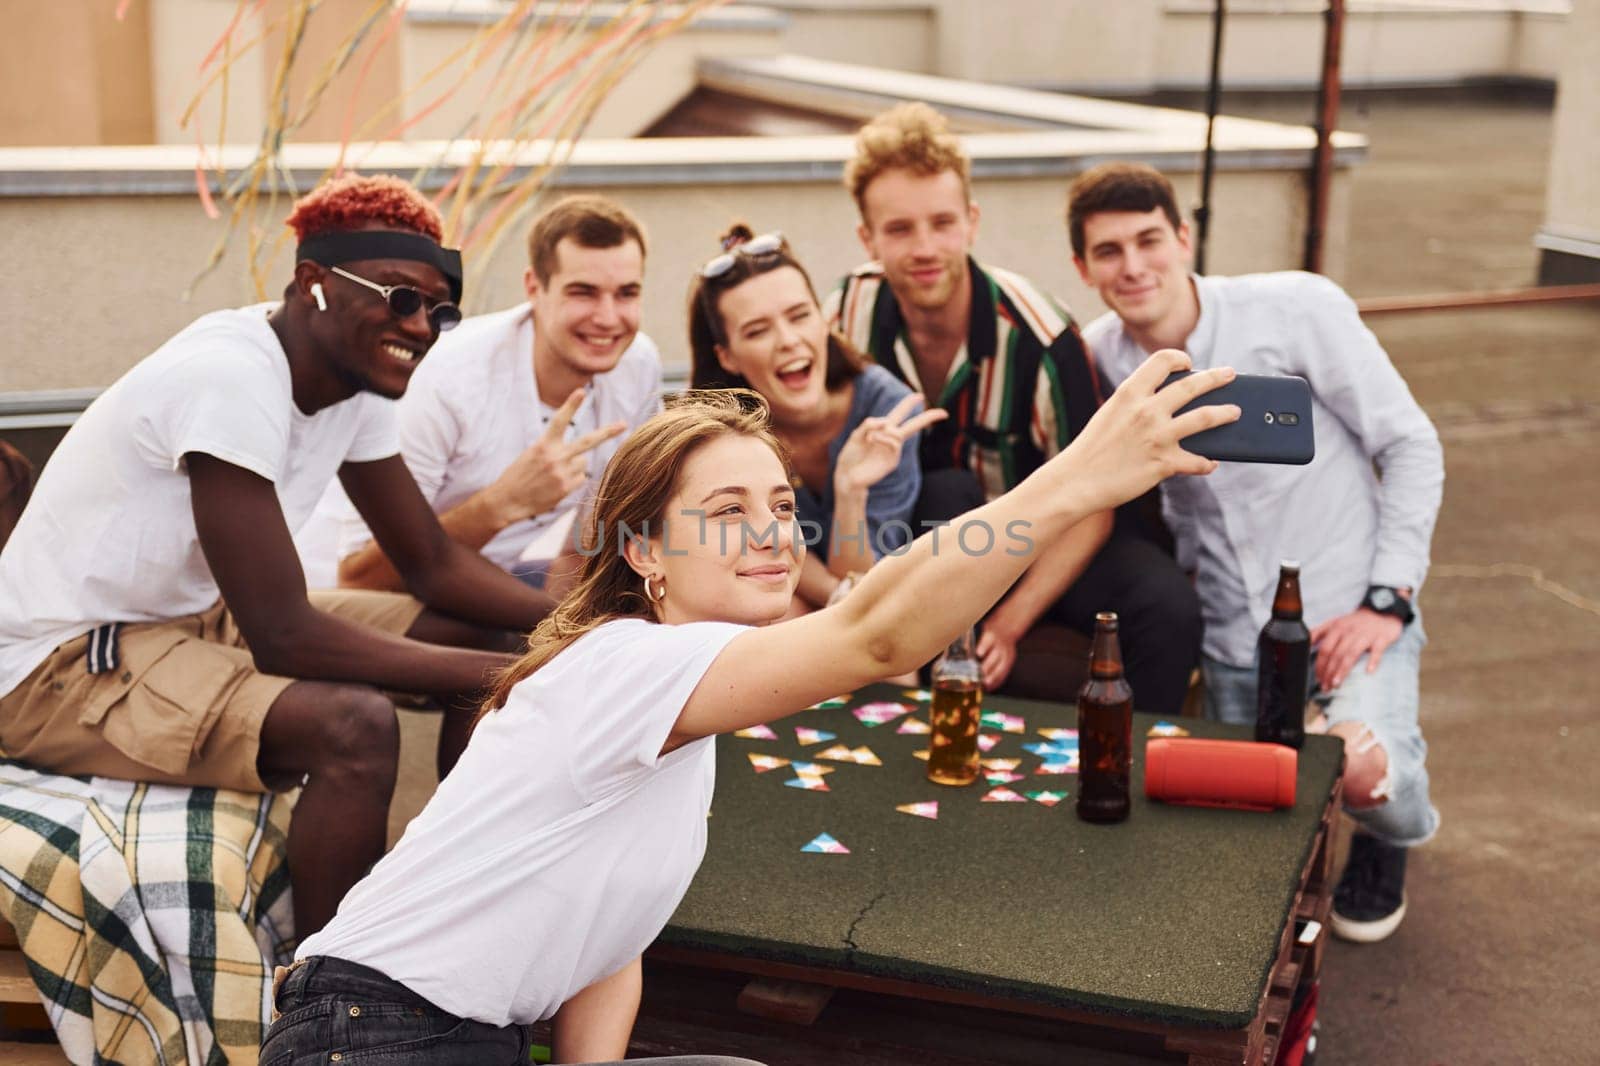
1283	657
1105	729
955	714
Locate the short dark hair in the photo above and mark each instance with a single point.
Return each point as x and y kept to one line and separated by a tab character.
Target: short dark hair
844	362
591	222
1118	187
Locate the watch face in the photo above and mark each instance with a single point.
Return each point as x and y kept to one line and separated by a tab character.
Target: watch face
1381	599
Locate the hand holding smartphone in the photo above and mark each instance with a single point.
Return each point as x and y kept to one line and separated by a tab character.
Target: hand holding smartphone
1274	425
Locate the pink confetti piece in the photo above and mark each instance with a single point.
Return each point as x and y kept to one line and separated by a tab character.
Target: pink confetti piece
987	741
811	736
838	753
914	725
809	782
834	701
864	756
757	732
824	844
763	763
872	715
1057	768
1006	723
999	764
813	768
1002	777
1046	797
1003	795
928	809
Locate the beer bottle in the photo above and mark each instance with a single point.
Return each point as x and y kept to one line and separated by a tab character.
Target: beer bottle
1283	657
955	714
1105	729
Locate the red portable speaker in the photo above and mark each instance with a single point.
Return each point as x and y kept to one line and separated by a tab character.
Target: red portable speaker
1220	773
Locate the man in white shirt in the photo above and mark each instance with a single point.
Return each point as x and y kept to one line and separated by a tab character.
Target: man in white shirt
1360	516
154	621
510	422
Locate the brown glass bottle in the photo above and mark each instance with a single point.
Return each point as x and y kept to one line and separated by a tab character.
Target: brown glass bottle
1283	664
1105	729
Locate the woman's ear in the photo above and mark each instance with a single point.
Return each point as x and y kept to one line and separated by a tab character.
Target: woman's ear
639	552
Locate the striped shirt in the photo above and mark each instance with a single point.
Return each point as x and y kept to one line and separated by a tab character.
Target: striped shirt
1019	389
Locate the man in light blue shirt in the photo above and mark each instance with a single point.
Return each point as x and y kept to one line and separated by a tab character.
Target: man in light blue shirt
1359	517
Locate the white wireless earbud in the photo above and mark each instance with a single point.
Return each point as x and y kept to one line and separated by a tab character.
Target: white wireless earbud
316	294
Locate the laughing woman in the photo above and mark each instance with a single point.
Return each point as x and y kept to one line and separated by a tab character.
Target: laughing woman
754	323
559	846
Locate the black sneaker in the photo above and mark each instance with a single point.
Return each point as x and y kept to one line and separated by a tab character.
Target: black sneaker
1370	899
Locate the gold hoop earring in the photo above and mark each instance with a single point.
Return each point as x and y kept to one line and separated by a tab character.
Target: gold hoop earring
650	592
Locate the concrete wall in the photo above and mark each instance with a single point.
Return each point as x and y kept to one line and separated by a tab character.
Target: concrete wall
1570	236
1051	42
70	73
110	288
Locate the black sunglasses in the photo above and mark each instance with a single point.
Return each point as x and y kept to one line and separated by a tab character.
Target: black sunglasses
763	247
406	300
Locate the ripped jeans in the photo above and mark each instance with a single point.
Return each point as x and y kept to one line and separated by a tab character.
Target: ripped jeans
1385	701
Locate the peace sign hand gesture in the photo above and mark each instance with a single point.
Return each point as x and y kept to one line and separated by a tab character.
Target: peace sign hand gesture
872	451
550	469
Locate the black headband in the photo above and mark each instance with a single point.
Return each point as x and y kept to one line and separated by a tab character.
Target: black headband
346	246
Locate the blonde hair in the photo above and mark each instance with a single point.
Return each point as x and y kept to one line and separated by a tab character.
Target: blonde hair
638	483
910	136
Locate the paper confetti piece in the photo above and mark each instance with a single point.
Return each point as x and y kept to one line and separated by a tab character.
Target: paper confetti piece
826	845
1003	795
864	757
763	763
923	754
987	741
929	809
999	764
811	736
1054	751
757	732
914	725
1046	797
1006	723
872	715
838	753
809	782
835	701
1167	729
804	768
1058	768
1002	777
921	695
1059	734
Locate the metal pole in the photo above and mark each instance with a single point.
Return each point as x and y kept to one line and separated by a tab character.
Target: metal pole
1327	120
1202	213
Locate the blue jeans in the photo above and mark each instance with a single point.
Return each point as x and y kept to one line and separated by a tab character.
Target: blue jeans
1385	700
330	1006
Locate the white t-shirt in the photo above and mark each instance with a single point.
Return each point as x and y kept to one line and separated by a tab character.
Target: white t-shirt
561	843
109	534
471	408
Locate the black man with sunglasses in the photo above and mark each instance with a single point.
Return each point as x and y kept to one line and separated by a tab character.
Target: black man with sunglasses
154	620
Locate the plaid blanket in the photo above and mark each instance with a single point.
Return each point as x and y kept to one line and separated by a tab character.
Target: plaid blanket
151	916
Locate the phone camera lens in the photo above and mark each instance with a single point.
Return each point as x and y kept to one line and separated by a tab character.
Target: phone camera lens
1268	417
1289	418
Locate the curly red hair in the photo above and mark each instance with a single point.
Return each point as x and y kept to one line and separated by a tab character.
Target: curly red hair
353	201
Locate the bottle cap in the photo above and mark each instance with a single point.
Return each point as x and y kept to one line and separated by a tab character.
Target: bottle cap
1290	564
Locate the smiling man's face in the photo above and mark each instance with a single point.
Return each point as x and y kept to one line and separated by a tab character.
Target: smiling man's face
587	312
372	347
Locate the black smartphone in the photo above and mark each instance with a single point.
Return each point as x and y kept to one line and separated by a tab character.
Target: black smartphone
1274	425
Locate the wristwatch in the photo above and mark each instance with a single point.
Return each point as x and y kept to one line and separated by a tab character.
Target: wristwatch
1386	600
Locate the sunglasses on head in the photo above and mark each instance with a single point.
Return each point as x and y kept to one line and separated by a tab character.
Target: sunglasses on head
762	247
407	300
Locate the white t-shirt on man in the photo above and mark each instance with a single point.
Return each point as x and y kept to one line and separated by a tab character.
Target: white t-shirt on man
109	534
561	843
471	408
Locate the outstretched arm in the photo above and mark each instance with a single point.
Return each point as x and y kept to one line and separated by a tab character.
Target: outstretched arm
594	1025
909	606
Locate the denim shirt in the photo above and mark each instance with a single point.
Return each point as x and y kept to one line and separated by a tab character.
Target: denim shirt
1361	513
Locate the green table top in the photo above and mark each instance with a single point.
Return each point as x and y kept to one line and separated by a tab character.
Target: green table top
1172	916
